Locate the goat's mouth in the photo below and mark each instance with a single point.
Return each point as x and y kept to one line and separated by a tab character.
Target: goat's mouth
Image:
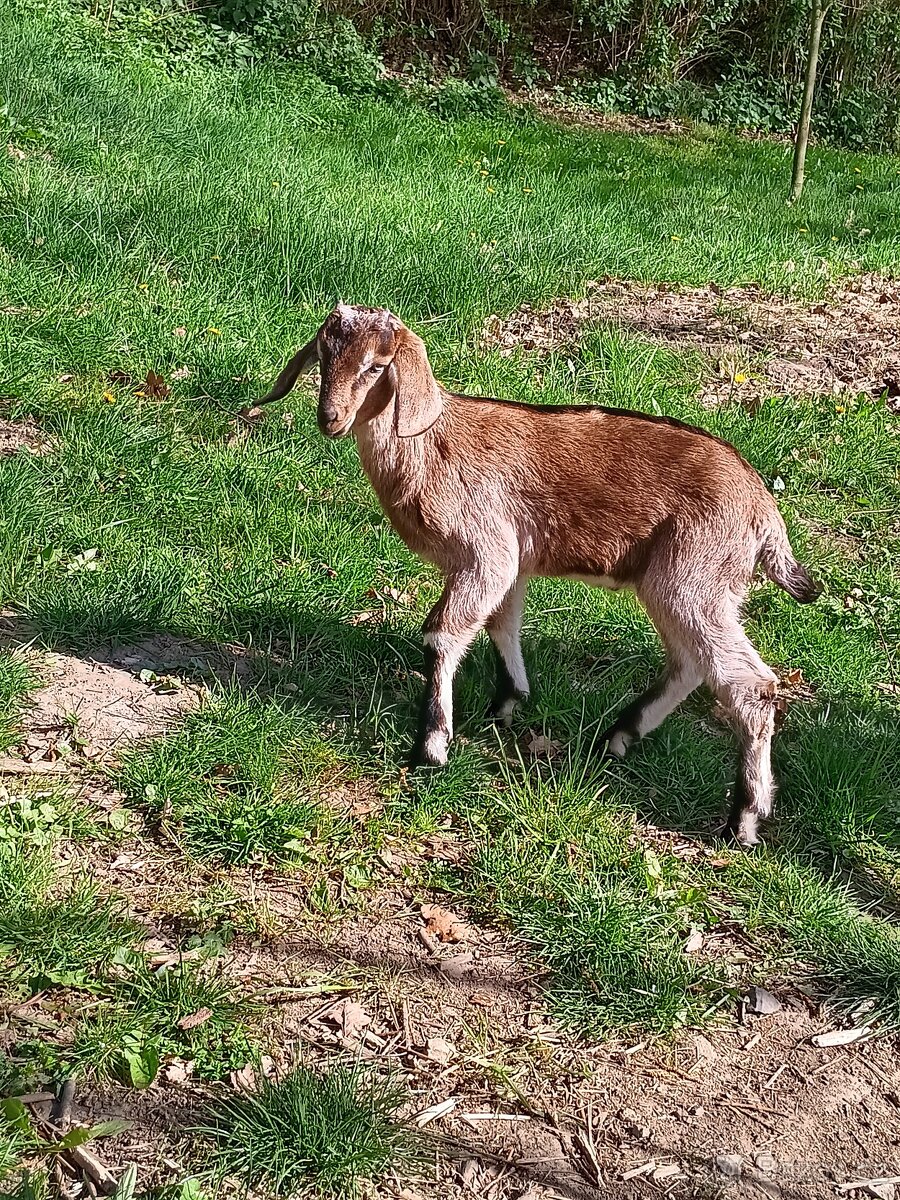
338	429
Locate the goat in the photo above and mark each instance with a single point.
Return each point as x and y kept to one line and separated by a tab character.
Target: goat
494	492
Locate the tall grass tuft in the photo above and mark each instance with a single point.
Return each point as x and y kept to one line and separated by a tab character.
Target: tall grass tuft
310	1130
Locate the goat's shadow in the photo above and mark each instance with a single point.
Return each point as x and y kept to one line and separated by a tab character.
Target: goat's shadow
367	676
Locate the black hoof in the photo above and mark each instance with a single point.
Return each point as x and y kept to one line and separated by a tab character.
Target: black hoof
502	711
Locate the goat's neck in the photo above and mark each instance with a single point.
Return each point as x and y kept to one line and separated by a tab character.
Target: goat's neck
396	467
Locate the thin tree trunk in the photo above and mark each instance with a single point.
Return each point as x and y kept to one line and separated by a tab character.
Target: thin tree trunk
817	18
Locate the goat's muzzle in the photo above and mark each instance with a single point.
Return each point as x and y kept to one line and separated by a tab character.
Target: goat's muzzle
332	423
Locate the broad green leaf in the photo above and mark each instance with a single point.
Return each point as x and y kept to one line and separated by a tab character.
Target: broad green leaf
141	1066
16	1114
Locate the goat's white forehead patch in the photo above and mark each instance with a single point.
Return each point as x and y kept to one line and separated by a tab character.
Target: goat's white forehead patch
352	316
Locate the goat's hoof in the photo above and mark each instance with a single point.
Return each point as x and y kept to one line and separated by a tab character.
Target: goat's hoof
501	711
431	750
504	706
616	742
743	834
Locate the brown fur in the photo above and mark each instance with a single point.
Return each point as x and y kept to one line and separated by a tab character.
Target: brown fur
494	492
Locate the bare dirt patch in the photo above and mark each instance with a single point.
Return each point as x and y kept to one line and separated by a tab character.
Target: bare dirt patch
21	435
569	112
756	344
510	1105
92	705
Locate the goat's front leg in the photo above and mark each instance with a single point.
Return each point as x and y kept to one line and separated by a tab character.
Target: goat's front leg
465	607
505	630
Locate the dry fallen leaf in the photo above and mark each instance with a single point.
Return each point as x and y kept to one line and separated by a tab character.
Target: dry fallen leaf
705	1049
444	924
539	745
469	1173
694	942
243	1080
350	1017
155	386
482	999
362	618
458	967
436	1110
635	1172
840	1037
192	1020
439	1050
178	1070
666	1171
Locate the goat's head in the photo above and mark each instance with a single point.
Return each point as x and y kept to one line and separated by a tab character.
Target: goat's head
368	360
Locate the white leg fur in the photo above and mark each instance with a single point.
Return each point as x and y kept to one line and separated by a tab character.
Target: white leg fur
463	610
678	687
449	651
505	630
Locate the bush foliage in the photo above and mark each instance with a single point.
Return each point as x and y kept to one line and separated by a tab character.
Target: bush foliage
737	63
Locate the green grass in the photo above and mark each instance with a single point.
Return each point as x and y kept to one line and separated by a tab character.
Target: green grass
16	680
607	916
52	936
141	1025
207	223
24	1185
232	782
310	1132
120	1016
13	1146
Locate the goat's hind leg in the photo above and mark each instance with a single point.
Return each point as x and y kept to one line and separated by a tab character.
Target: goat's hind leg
649	710
752	706
747	688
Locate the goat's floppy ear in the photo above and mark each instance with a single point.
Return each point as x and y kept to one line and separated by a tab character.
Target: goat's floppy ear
303	360
418	397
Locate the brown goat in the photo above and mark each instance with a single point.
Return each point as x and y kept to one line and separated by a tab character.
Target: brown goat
495	492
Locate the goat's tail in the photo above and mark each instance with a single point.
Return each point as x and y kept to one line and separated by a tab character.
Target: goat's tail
777	560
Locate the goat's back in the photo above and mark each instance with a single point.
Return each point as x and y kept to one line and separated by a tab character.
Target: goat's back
592	491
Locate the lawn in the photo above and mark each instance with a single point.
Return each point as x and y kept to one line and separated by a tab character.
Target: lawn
198	227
